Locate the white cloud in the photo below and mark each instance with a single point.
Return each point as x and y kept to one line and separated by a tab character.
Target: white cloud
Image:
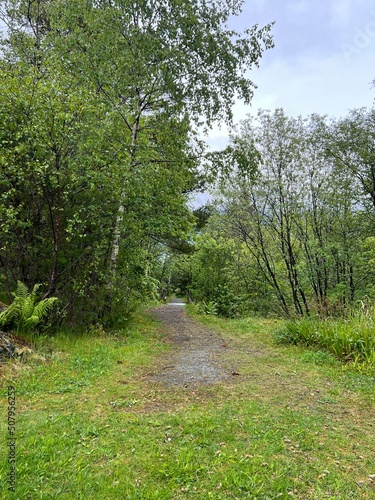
259	4
311	70
217	142
329	86
296	8
326	86
341	13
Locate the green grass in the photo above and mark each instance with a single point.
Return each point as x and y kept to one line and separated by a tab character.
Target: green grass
351	340
92	424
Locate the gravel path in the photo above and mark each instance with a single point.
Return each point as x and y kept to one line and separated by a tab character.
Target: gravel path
197	352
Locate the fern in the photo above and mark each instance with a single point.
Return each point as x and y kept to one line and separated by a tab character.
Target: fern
26	306
42	308
21	291
26	312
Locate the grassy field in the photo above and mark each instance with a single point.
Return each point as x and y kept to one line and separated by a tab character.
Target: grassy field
91	424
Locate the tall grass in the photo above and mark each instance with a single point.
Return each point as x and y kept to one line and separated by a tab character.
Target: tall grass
351	340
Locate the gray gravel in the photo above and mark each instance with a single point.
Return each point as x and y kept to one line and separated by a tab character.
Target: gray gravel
196	353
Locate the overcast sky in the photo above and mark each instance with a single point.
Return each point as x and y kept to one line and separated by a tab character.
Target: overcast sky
322	62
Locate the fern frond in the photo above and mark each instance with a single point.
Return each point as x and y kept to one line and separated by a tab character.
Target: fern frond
21	290
43	307
27	307
4	318
33	294
36	288
32	321
10	314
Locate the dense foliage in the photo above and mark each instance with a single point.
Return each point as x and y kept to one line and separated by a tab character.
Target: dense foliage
100	106
294	232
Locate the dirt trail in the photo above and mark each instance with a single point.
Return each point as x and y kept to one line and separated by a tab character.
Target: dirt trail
197	353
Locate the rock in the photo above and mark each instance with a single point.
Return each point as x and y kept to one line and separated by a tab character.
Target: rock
7	347
12	345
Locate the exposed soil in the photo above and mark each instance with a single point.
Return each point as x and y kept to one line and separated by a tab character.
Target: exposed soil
197	354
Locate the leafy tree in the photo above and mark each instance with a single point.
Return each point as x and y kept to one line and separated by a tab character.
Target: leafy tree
101	102
353	147
53	194
296	215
